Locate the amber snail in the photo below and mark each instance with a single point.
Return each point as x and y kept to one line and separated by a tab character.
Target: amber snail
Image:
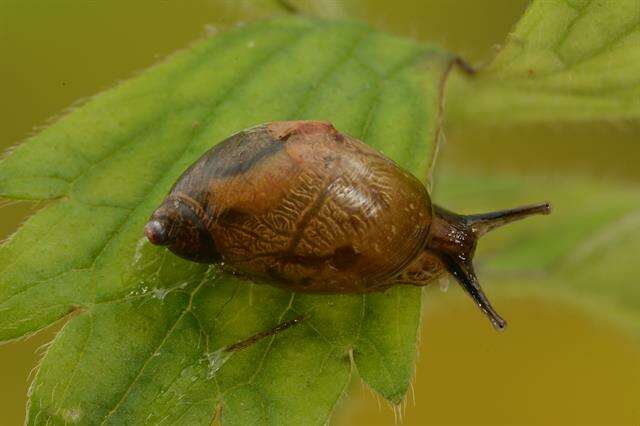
299	205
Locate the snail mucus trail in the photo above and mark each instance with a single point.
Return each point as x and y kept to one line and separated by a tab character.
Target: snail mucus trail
301	206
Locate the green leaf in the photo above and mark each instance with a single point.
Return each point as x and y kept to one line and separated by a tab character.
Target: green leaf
584	253
565	60
145	329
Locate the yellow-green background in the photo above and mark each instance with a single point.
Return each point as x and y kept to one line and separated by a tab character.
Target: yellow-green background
554	365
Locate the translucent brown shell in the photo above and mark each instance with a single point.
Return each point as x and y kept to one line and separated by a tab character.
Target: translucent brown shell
299	205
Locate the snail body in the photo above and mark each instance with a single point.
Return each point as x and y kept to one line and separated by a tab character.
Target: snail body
301	206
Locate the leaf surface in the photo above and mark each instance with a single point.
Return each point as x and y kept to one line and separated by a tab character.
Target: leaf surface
144	338
565	60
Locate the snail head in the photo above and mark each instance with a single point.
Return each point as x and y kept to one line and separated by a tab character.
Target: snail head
180	224
453	239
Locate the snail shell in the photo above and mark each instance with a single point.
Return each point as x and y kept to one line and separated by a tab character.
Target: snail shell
299	205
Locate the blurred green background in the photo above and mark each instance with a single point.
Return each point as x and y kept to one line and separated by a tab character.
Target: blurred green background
555	365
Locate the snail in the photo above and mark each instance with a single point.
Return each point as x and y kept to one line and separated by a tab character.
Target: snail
299	205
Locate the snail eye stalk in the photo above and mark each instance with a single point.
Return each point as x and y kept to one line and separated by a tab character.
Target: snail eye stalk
466	276
482	223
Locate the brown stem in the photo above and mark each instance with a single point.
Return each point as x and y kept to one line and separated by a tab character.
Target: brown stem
259	336
287	6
